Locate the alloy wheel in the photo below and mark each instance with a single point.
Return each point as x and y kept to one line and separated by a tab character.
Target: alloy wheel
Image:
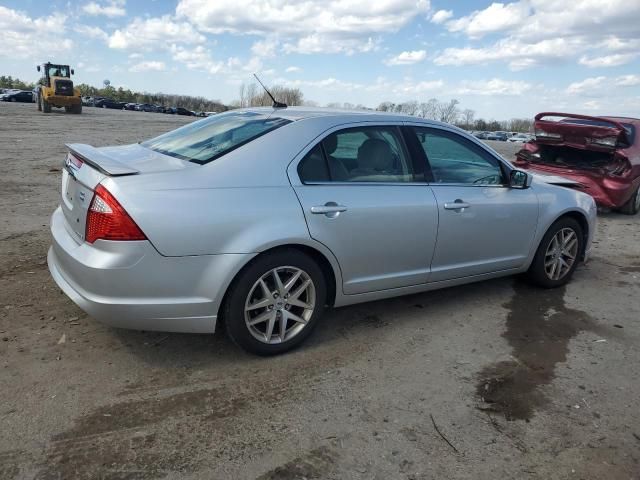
561	254
280	304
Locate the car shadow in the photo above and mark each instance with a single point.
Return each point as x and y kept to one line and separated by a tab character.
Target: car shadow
365	324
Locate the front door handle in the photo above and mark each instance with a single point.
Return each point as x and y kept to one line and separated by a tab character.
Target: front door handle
330	209
456	205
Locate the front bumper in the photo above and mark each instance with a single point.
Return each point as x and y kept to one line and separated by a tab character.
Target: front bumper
64	100
130	285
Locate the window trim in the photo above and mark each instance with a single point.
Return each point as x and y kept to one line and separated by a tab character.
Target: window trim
403	145
473	146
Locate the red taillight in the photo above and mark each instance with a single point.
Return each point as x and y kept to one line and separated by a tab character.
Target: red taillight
107	220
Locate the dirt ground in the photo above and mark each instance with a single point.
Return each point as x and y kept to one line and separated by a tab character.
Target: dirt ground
494	380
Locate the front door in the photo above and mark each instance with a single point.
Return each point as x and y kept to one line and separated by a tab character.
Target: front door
365	200
484	226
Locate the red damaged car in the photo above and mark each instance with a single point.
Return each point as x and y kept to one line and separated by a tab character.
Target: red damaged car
601	154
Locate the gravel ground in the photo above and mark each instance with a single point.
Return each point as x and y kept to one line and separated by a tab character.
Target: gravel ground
491	380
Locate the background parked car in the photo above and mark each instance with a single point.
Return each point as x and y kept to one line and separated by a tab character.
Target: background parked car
520	138
25	96
129	106
499	136
184	111
109	103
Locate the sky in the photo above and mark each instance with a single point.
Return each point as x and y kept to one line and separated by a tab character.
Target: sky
502	60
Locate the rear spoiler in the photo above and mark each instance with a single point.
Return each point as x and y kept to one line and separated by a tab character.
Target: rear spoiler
98	160
613	123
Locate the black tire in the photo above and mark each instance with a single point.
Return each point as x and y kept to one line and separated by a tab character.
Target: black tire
633	204
537	273
68	109
77	109
46	107
234	308
39	102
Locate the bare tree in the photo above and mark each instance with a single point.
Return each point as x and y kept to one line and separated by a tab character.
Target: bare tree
429	109
468	116
448	112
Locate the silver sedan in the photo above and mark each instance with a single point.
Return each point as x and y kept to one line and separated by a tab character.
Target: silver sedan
262	218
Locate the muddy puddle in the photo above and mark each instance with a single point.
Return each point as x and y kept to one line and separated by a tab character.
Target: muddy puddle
539	328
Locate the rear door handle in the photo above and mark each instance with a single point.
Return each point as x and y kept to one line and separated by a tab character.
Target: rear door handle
457	205
330	209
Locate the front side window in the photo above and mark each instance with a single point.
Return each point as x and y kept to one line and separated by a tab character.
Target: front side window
210	138
454	159
361	154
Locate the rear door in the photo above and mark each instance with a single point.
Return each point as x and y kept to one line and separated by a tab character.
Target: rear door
366	199
484	226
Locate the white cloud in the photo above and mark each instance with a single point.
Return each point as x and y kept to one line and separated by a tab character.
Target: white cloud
149	65
27	37
197	58
628	80
265	48
114	8
613	60
312	26
516	53
407	58
292	69
154	33
91	32
493	87
495	18
588	30
441	16
586	86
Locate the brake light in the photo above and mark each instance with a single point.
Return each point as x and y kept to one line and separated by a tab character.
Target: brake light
548	135
604	141
107	220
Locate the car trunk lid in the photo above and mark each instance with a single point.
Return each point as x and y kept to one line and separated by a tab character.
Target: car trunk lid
86	166
579	131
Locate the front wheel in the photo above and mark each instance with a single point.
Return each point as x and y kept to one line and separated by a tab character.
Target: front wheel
633	204
558	254
46	106
39	102
275	303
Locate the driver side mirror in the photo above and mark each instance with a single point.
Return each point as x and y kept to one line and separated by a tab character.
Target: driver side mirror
38	67
72	72
519	179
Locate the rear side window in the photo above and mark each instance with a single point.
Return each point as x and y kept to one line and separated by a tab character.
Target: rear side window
361	154
210	138
454	159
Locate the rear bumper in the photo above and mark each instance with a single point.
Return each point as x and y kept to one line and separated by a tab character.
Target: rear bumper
130	285
608	192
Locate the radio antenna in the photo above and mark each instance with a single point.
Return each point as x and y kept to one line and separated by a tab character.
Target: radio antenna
276	104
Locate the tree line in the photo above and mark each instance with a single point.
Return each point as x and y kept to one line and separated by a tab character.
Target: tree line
252	95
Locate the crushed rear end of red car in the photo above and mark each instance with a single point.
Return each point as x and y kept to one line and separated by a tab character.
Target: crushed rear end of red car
600	153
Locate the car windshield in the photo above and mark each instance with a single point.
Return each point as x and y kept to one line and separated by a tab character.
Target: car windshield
210	138
58	71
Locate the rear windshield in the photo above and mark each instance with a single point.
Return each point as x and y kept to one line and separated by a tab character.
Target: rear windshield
212	137
630	129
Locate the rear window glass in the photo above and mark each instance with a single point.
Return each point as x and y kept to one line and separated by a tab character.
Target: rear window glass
212	137
630	129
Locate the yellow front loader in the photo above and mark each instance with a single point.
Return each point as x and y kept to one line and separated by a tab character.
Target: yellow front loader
56	89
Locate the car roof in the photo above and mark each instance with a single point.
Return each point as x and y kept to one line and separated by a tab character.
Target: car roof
302	113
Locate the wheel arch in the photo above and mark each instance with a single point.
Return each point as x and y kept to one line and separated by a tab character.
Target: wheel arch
584	224
325	261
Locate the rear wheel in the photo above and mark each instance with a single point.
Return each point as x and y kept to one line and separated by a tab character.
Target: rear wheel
39	102
633	204
275	303
558	254
76	108
46	106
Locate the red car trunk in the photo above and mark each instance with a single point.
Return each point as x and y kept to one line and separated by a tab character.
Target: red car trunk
598	152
